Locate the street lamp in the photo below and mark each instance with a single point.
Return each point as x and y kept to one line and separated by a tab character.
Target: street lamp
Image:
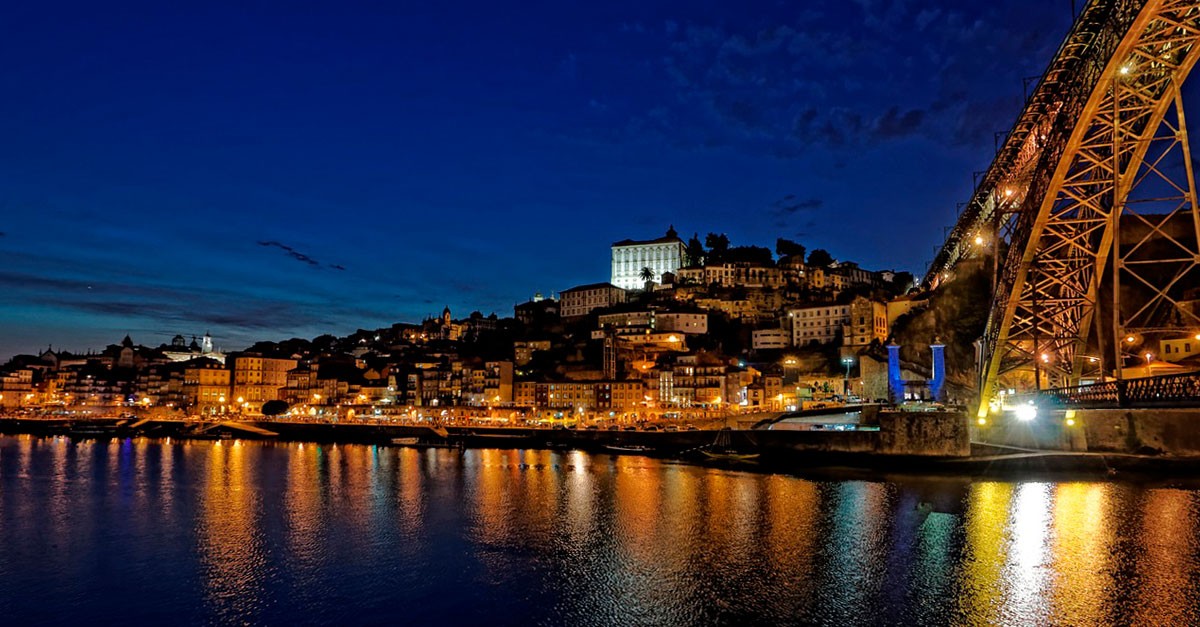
847	361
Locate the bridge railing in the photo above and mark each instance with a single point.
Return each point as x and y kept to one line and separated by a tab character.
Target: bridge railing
1173	390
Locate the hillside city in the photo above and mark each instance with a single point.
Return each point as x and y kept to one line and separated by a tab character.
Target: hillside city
682	329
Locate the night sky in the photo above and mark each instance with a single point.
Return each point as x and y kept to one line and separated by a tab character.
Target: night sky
269	170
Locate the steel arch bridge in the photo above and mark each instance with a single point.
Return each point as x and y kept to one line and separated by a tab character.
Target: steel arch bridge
1087	220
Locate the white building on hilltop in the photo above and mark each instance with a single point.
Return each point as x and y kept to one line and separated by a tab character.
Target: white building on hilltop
629	257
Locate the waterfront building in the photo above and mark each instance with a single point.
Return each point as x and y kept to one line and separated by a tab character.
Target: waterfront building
821	324
582	300
538	311
258	379
16	388
206	385
525	393
739	308
1180	349
679	322
180	351
619	396
733	274
868	321
523	350
770	339
629	257
901	305
301	382
852	275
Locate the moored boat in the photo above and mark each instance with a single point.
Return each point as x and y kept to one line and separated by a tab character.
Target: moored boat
628	448
729	456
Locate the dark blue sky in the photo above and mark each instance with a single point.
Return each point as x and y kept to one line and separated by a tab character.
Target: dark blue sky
466	154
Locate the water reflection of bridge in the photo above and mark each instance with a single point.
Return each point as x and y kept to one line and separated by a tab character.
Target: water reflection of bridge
1086	222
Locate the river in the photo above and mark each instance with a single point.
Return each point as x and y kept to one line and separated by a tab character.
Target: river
170	532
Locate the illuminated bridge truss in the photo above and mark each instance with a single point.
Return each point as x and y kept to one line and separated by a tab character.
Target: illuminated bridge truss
1097	170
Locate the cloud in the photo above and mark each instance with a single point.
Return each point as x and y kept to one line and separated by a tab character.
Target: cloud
295	254
894	124
783	85
789	205
925	17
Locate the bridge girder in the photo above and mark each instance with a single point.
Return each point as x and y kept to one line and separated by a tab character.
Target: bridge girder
1105	118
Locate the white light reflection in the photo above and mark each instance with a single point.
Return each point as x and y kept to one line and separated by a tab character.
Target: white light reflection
1027	567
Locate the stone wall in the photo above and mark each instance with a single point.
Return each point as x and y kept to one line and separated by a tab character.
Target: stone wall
1156	431
937	434
1174	432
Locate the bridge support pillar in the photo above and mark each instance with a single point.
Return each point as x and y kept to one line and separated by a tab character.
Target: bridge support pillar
937	382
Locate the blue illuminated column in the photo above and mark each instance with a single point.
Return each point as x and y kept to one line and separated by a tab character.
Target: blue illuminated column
937	382
895	383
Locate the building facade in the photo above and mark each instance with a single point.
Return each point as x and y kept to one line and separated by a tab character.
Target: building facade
629	257
822	324
868	321
258	379
582	300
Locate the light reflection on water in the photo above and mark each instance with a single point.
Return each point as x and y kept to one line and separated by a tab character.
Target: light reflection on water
263	533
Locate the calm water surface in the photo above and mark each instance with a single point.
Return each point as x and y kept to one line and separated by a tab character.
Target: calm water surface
154	531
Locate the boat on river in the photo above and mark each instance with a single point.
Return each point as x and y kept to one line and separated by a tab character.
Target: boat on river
91	431
628	448
729	456
722	449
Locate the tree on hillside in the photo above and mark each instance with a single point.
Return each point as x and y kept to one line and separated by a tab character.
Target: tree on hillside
694	251
648	276
789	248
902	281
820	257
717	246
750	254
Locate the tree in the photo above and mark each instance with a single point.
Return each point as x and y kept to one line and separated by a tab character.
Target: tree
749	254
694	251
717	245
902	281
789	248
820	257
274	408
648	276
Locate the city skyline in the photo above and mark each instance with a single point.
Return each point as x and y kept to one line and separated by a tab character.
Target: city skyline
263	175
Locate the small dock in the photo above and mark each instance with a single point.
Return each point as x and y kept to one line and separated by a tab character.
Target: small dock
240	426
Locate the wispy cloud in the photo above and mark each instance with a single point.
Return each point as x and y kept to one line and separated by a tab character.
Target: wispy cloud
299	256
790	204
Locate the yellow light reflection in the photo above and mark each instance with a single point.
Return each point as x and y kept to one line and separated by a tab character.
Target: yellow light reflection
232	555
1166	566
1082	552
986	537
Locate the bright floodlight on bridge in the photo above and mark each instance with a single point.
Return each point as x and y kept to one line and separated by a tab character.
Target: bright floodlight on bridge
1027	412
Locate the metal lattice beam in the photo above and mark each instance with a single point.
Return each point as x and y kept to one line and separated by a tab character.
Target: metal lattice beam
1087	157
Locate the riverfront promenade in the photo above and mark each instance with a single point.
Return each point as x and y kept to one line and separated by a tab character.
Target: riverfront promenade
930	442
